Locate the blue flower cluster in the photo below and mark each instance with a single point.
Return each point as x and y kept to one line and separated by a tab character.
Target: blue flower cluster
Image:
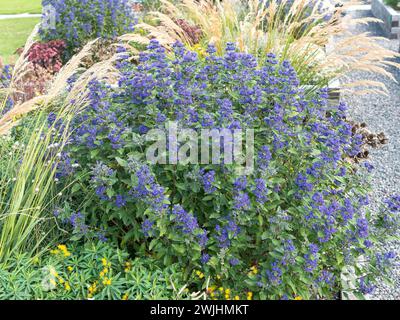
78	22
390	215
5	78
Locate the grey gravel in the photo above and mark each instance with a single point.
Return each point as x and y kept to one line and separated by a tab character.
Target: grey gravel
381	113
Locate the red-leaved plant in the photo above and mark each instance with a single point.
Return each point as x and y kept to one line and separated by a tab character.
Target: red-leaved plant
45	59
48	55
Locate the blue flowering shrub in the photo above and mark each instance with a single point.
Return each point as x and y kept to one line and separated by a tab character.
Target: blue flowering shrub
5	77
282	232
78	22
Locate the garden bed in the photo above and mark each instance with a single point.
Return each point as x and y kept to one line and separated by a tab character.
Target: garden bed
100	190
389	16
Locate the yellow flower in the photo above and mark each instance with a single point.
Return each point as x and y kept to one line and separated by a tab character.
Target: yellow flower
227	296
128	266
298	298
107	281
55	251
63	248
249	295
221	289
254	270
70	268
92	289
105	262
104	272
53	282
53	272
125	296
199	49
237	298
61	280
200	274
67	286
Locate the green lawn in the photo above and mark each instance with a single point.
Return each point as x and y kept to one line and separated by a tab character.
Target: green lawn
13	35
20	6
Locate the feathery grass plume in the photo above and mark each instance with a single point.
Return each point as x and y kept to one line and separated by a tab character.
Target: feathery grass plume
27	181
21	67
314	36
26	189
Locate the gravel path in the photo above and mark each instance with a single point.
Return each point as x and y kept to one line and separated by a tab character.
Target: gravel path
382	114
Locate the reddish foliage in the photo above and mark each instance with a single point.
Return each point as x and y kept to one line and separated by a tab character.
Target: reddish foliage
33	81
192	31
137	7
47	55
44	61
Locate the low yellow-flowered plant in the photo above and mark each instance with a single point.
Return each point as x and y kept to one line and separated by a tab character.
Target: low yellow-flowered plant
92	290
107	281
253	270
105	262
53	282
227	294
128	266
125	296
200	274
61	249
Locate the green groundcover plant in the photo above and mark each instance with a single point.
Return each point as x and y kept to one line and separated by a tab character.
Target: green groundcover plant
90	271
282	232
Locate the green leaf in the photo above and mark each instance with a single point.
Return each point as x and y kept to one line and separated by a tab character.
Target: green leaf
121	162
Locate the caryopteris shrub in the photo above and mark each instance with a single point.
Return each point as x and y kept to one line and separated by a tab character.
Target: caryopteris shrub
285	230
78	22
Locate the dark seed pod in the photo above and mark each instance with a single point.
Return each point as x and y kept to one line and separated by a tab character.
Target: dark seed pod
381	135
